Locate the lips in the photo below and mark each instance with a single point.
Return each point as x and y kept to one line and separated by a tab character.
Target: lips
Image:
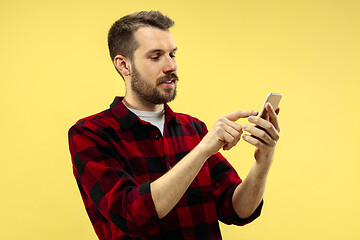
168	79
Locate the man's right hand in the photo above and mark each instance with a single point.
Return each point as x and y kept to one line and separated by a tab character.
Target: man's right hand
225	133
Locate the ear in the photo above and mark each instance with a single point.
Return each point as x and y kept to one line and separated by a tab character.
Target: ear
122	64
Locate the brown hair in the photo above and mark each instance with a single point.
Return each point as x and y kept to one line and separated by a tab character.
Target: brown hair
121	35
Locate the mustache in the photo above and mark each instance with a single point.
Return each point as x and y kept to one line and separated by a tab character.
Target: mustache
167	77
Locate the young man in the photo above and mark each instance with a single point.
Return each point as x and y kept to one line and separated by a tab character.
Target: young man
146	172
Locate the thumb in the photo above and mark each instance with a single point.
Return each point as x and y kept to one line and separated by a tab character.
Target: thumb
240	114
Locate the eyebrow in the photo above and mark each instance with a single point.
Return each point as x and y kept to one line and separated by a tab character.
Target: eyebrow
160	50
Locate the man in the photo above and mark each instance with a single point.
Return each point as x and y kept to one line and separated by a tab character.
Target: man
145	172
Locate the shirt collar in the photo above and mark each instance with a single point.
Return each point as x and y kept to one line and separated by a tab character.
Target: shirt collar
127	119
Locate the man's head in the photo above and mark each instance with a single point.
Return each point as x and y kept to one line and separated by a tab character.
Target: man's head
143	52
121	36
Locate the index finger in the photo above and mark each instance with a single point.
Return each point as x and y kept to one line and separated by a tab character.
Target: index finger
240	114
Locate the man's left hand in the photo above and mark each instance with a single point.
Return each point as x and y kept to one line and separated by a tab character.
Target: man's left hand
264	136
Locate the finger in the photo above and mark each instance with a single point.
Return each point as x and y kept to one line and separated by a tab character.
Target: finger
240	114
231	127
224	133
273	116
232	124
227	140
232	143
235	139
259	134
265	126
235	130
232	131
253	141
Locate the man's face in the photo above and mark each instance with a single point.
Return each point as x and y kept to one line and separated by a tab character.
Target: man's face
153	69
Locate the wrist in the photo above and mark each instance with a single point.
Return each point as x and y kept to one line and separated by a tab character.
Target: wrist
262	168
203	150
264	157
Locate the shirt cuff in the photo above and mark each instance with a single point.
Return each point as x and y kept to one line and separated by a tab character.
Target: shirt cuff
232	216
254	215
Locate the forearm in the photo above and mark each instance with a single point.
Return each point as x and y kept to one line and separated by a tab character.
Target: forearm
264	136
167	190
250	192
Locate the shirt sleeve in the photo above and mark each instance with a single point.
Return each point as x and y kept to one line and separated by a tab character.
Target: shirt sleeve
224	181
104	179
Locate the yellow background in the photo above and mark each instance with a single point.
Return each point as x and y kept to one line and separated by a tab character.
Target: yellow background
55	69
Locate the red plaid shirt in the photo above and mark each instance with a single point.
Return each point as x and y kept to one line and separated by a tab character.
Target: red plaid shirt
116	155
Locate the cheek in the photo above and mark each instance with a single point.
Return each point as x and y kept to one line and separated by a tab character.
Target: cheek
151	71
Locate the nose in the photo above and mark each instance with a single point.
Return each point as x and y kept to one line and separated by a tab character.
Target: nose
170	65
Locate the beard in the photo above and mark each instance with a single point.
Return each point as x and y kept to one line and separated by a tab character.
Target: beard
149	92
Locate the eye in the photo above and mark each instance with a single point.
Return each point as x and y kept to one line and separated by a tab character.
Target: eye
155	57
172	55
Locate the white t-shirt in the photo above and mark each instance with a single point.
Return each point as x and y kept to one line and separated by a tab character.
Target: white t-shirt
155	118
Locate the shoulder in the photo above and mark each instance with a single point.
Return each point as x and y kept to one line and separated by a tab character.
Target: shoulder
97	121
186	118
189	121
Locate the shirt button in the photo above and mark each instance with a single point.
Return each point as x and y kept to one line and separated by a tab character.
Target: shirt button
157	137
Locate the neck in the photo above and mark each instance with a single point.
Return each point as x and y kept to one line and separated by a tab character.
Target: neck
142	105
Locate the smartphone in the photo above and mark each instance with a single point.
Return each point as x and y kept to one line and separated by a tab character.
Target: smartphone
274	100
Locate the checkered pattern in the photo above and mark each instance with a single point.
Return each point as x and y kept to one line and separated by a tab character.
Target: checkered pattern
116	155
